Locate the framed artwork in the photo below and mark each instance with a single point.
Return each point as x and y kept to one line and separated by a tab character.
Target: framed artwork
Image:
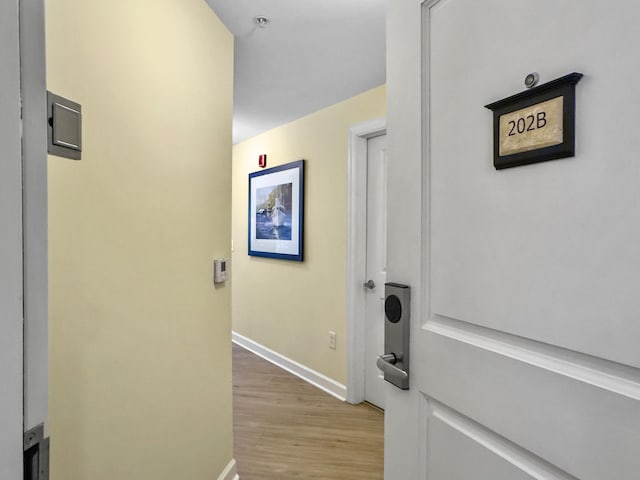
276	209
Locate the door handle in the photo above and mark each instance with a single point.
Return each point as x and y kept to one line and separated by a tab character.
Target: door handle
370	284
386	363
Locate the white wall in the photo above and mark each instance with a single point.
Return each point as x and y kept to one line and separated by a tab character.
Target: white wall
11	248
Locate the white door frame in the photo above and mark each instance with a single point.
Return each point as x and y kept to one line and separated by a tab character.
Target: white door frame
356	252
35	212
11	251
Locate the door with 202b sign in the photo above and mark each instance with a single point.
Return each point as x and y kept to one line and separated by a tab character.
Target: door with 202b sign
525	281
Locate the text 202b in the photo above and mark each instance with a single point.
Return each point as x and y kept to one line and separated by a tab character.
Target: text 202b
528	123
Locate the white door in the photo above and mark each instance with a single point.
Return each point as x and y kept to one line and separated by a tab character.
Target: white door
10	247
376	265
526	320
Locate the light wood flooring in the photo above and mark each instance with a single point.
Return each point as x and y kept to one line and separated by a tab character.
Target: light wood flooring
286	429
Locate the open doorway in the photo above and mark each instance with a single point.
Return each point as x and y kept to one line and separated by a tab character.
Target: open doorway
283	311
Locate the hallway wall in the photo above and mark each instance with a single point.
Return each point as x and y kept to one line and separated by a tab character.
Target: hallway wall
140	339
288	306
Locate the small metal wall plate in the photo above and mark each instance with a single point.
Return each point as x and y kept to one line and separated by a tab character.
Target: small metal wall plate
65	127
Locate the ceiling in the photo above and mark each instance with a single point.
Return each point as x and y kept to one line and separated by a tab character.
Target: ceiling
312	54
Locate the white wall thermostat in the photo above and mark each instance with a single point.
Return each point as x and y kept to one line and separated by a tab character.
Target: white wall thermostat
220	270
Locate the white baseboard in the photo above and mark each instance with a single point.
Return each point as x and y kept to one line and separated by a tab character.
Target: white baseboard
305	373
229	473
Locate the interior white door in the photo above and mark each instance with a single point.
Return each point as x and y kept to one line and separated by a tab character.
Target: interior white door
525	358
376	267
11	387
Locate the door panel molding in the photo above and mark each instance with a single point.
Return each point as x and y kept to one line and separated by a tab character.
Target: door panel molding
523	460
595	371
559	419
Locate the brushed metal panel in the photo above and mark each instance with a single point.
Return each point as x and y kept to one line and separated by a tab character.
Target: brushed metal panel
65	127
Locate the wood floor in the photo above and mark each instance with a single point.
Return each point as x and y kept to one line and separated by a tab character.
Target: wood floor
285	428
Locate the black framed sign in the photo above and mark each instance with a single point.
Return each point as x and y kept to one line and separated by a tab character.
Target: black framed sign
535	125
276	207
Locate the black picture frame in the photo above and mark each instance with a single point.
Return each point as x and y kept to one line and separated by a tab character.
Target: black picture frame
565	87
276	212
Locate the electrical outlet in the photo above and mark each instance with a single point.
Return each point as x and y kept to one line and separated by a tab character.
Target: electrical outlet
332	340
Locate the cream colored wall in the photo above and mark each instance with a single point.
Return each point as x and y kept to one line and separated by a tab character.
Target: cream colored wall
287	306
140	338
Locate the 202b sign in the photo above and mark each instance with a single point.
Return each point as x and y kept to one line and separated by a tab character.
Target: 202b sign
537	126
